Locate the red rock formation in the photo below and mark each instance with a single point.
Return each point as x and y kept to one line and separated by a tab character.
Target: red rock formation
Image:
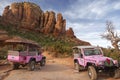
29	16
60	26
7	15
49	22
70	33
25	14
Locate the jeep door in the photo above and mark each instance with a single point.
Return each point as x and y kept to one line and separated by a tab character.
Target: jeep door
79	56
81	59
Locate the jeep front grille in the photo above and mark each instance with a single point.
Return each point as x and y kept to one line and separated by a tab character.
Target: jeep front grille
108	63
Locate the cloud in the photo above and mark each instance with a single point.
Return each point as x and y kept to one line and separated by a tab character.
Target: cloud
88	19
95	39
90	32
94	9
116	5
86	27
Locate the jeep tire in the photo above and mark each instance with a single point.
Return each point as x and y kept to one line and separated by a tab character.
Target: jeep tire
15	66
92	73
116	74
42	62
77	66
31	65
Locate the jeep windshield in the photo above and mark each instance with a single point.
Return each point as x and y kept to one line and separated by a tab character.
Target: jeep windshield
92	51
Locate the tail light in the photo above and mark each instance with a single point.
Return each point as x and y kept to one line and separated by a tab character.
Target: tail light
108	61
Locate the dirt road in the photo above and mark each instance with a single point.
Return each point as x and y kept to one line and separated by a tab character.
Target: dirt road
52	71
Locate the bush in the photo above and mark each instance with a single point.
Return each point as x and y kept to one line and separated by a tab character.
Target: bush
3	54
111	53
57	47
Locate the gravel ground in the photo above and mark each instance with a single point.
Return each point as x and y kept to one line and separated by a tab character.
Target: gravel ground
52	71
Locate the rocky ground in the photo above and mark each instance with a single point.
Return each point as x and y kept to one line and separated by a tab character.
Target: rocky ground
5	68
55	69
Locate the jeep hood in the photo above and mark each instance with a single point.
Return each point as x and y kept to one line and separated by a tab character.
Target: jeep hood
97	58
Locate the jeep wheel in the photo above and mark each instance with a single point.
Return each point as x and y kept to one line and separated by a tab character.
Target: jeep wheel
92	73
42	62
77	66
31	65
16	66
117	74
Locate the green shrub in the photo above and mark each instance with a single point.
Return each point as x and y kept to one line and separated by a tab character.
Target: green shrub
58	47
111	53
3	54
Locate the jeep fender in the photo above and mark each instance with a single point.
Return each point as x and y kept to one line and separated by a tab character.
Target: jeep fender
90	64
75	60
32	59
43	57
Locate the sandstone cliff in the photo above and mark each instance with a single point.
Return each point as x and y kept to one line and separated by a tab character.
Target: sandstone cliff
31	17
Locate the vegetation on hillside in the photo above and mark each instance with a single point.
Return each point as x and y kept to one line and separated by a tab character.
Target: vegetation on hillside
57	47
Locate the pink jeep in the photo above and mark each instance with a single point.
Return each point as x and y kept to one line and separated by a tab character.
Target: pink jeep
92	59
25	53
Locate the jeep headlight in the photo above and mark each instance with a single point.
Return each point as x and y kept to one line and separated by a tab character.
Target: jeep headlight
100	63
115	61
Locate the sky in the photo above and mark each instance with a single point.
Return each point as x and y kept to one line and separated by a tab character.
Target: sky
86	17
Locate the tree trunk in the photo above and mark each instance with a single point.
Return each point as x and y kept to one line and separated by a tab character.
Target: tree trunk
115	45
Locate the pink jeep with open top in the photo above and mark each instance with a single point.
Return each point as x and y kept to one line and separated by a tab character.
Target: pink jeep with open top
92	59
25	53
